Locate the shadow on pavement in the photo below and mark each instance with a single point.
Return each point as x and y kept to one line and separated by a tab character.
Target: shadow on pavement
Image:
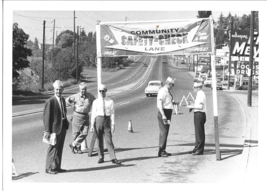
138	158
20	176
98	168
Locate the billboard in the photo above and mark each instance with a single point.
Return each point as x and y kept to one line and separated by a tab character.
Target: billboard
156	38
240	45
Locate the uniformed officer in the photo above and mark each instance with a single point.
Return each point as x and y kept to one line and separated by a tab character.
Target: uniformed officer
200	109
81	103
165	105
103	123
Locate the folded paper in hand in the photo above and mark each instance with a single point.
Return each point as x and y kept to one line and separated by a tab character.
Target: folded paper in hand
50	138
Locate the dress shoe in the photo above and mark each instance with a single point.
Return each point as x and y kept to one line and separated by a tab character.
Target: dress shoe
79	151
73	148
60	170
115	161
163	154
169	154
100	161
50	171
197	153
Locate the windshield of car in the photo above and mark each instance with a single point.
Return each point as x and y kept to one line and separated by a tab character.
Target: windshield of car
154	84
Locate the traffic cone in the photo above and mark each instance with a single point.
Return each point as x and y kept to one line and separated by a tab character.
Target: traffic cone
130	128
84	147
14	171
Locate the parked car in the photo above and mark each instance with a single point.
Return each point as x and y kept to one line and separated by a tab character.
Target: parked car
153	87
207	82
219	85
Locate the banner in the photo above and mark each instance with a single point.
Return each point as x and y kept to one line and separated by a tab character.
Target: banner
241	43
156	38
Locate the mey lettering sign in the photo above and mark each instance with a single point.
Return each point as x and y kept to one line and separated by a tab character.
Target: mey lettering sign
241	43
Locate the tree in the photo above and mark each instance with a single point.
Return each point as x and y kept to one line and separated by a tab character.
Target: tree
20	50
204	14
65	39
36	44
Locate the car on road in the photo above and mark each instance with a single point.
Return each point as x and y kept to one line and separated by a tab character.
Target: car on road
207	82
219	85
153	87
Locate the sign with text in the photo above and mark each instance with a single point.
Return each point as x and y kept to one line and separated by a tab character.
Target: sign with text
242	68
241	43
156	38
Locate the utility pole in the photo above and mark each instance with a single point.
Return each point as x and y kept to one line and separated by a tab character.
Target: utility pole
77	54
74	36
53	41
230	54
126	20
43	54
251	58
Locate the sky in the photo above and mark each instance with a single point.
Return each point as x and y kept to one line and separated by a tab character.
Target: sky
32	21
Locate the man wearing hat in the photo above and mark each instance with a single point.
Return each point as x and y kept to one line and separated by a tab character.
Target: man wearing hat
103	123
55	122
165	104
81	103
200	109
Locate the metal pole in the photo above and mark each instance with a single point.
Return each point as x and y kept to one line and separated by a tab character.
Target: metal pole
99	55
74	36
214	95
43	55
230	46
77	55
53	41
251	59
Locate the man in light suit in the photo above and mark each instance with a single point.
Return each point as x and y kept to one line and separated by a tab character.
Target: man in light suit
55	121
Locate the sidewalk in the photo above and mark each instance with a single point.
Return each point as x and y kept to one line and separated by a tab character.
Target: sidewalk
248	165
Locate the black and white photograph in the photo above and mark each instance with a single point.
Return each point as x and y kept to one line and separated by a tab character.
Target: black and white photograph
133	96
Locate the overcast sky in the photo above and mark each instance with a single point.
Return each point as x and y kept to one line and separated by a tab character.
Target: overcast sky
32	21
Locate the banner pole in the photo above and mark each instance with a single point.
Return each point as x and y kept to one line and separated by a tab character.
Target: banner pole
214	94
98	56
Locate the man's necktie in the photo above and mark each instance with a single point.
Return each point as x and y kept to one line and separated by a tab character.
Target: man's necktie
62	108
104	108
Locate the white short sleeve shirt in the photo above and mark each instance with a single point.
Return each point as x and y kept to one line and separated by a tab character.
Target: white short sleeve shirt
201	99
165	96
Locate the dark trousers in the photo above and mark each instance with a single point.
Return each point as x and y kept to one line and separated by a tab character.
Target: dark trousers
54	153
163	129
103	129
199	122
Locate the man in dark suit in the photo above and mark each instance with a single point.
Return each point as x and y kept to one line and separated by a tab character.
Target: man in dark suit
55	121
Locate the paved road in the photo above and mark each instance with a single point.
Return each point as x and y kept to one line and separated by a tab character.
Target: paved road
138	150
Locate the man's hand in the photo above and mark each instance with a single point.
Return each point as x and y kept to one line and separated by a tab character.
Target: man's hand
112	128
46	135
92	129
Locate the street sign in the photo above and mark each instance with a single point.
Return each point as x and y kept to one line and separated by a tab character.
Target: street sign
242	68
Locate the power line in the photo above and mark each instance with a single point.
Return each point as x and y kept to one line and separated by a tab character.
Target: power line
100	15
31	17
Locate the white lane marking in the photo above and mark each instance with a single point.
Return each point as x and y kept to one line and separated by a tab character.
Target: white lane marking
124	103
143	97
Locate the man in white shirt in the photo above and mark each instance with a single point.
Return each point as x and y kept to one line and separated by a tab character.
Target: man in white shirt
103	123
200	110
165	104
